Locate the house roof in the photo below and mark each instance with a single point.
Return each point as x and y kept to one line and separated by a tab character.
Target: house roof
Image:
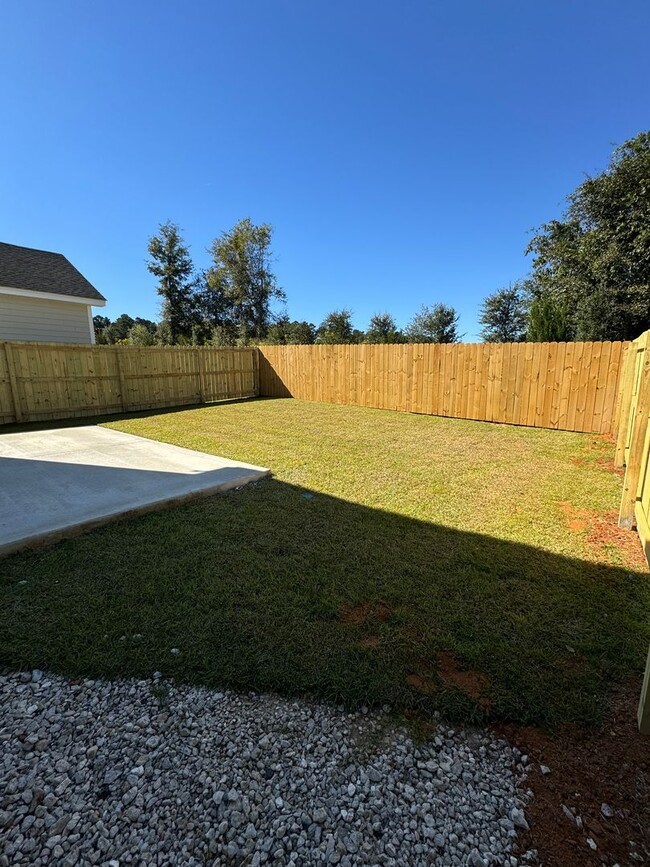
41	271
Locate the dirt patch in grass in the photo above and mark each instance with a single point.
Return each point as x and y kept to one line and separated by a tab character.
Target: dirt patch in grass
371	641
473	683
603	463
602	445
421	676
571	512
604	534
421	683
607	766
366	612
602	442
611	466
451	676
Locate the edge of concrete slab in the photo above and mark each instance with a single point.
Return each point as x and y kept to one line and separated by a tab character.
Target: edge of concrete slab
51	537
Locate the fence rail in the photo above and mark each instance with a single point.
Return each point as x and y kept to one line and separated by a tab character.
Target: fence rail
567	386
44	381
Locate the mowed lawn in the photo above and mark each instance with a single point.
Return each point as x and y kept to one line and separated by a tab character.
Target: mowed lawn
427	563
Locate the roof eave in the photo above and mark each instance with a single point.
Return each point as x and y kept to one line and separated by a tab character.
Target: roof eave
58	296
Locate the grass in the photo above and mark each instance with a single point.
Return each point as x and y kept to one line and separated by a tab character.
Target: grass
429	563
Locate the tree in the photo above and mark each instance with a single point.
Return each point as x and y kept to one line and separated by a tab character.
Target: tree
382	329
548	319
301	333
141	335
240	285
119	329
125	329
503	316
283	332
597	259
212	310
100	324
336	328
437	324
170	262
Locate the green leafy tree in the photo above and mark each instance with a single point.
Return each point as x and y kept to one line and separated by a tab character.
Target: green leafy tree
170	262
163	335
597	259
100	324
283	332
240	285
382	329
277	333
212	310
548	319
503	316
336	328
122	330
436	324
301	332
118	330
141	335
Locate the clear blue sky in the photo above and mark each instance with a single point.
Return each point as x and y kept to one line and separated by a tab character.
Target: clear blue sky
402	150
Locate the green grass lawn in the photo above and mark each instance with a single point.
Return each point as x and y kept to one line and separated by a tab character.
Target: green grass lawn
424	562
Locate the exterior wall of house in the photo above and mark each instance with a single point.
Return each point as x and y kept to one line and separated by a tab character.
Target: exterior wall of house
40	319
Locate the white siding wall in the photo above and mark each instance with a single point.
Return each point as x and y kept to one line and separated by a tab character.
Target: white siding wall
43	320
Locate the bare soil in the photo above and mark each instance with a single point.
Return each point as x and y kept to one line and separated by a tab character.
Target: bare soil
603	534
365	612
588	769
474	683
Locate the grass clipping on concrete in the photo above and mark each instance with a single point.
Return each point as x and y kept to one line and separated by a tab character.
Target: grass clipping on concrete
428	563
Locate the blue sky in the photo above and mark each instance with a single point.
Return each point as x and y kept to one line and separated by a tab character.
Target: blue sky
403	151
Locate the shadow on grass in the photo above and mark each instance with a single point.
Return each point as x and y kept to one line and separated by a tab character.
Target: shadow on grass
271	588
83	421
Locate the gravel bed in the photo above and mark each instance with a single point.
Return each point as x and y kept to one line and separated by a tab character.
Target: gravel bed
144	772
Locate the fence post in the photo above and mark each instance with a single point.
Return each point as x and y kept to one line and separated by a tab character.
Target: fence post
636	457
13	383
256	371
201	367
624	402
120	373
644	702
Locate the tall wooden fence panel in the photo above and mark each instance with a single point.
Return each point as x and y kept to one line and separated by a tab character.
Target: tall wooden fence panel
567	386
633	441
43	381
633	451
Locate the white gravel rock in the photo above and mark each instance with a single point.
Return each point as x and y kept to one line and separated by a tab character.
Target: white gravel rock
144	772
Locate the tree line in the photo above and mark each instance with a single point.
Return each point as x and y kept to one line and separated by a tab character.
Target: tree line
230	302
590	280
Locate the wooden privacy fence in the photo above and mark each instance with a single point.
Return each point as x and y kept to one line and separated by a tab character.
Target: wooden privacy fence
633	452
42	381
567	386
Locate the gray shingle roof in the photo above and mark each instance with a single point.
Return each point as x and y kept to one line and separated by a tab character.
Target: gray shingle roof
24	268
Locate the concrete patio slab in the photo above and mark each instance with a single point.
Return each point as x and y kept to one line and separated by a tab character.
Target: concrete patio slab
54	483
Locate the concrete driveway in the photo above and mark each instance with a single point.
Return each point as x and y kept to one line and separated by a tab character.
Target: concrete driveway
55	482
